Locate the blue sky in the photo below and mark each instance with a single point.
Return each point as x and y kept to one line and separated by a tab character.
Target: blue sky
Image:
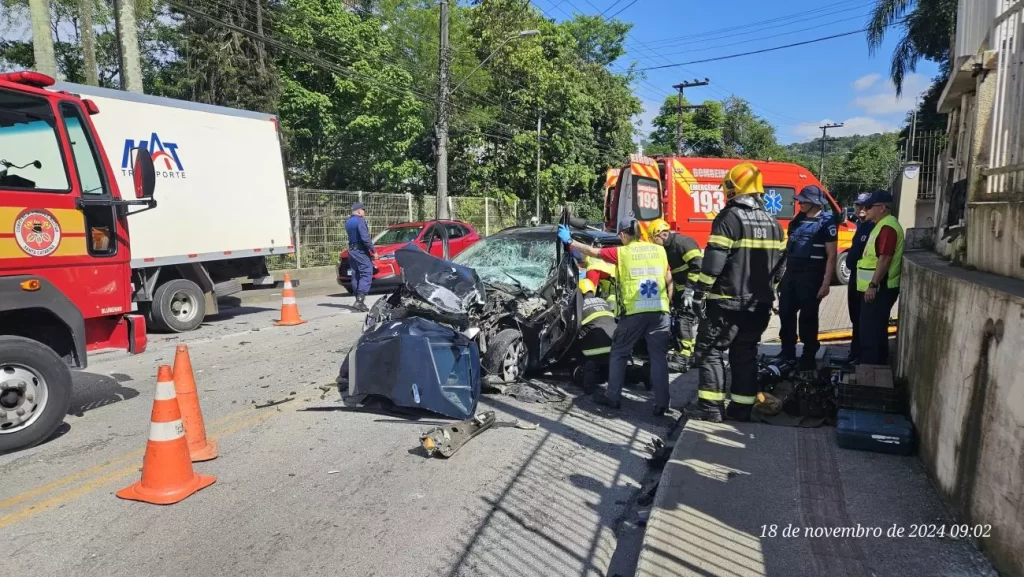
796	89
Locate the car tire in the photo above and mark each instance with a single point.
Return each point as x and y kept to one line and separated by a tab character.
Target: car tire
24	359
178	306
506	356
843	273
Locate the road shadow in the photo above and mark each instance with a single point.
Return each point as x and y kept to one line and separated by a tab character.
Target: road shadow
346	308
227	313
92	391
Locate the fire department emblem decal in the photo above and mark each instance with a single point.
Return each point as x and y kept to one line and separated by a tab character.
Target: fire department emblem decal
37	232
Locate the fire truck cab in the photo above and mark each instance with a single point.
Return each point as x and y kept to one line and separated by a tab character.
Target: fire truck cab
65	287
687	193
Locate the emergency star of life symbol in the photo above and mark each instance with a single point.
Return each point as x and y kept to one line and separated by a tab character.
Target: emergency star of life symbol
773	202
649	289
37	232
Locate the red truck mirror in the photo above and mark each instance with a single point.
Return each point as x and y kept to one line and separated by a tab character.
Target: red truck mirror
144	174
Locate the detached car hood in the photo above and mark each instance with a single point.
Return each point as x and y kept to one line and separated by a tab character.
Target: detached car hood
449	287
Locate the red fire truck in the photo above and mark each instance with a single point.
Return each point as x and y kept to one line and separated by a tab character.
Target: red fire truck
65	287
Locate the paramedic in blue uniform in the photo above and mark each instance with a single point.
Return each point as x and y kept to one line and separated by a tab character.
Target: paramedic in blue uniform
854	297
810	260
361	253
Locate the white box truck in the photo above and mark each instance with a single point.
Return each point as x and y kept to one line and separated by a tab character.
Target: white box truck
222	206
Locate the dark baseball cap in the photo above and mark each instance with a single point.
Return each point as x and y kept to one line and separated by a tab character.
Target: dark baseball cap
863	199
880	197
628	226
812	194
357	206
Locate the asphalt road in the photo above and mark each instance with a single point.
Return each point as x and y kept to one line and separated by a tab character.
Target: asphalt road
302	491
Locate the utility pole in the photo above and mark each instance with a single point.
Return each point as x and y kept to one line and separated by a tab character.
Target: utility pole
42	41
679	124
539	116
824	132
441	124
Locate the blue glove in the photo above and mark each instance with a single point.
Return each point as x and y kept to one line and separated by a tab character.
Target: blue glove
564	235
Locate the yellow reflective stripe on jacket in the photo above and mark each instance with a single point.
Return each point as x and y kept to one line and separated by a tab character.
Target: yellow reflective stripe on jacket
680	268
693	277
711	396
722	241
760	243
597	351
597	315
717	296
705	279
692	254
743	399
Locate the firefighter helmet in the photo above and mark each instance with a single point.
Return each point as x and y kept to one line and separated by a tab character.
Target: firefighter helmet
744	178
657	227
587	286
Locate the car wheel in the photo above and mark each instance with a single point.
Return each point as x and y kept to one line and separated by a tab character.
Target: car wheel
178	306
36	392
506	356
842	271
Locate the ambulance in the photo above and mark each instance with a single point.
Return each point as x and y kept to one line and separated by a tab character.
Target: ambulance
687	193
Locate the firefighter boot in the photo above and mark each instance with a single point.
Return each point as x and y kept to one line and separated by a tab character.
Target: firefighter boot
702	410
604	401
678	363
738	412
361	304
590	377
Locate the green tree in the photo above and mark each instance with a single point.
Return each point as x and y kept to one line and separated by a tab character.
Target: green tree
927	30
702	129
746	135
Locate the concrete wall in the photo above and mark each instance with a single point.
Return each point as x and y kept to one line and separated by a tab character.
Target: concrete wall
961	347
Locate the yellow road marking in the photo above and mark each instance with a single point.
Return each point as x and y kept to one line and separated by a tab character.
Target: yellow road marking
66	496
98	482
95	469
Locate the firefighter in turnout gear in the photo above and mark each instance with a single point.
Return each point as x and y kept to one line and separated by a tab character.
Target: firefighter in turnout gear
645	287
684	260
740	268
594	342
602	274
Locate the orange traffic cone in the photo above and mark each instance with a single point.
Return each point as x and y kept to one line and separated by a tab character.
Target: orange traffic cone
289	310
199	447
167	475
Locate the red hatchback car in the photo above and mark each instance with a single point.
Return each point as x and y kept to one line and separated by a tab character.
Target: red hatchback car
386	272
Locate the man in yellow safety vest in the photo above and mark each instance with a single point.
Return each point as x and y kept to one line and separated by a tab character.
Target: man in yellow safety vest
878	277
645	288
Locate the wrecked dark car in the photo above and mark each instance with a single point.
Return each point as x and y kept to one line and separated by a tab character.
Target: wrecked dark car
526	313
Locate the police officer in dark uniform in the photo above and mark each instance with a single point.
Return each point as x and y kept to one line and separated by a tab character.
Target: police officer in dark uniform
593	345
854	298
741	263
809	261
684	260
361	253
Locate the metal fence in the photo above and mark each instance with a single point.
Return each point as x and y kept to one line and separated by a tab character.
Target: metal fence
926	148
318	217
1005	173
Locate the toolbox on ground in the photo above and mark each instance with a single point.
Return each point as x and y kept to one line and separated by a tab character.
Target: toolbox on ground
873	431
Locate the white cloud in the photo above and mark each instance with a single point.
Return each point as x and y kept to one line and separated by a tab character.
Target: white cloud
857	125
887	103
864	82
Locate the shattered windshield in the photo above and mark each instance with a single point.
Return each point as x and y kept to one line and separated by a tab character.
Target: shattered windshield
512	259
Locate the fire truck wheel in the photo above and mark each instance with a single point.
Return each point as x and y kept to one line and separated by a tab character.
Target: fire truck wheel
35	392
842	271
178	306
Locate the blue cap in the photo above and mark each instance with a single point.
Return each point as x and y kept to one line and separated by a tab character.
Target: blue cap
627	225
812	194
863	199
880	197
357	206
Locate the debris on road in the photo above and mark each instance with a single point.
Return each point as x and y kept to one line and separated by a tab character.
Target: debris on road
274	403
532	391
333	471
446	440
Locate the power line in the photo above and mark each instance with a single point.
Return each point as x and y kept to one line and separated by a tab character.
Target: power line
623	9
762	51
